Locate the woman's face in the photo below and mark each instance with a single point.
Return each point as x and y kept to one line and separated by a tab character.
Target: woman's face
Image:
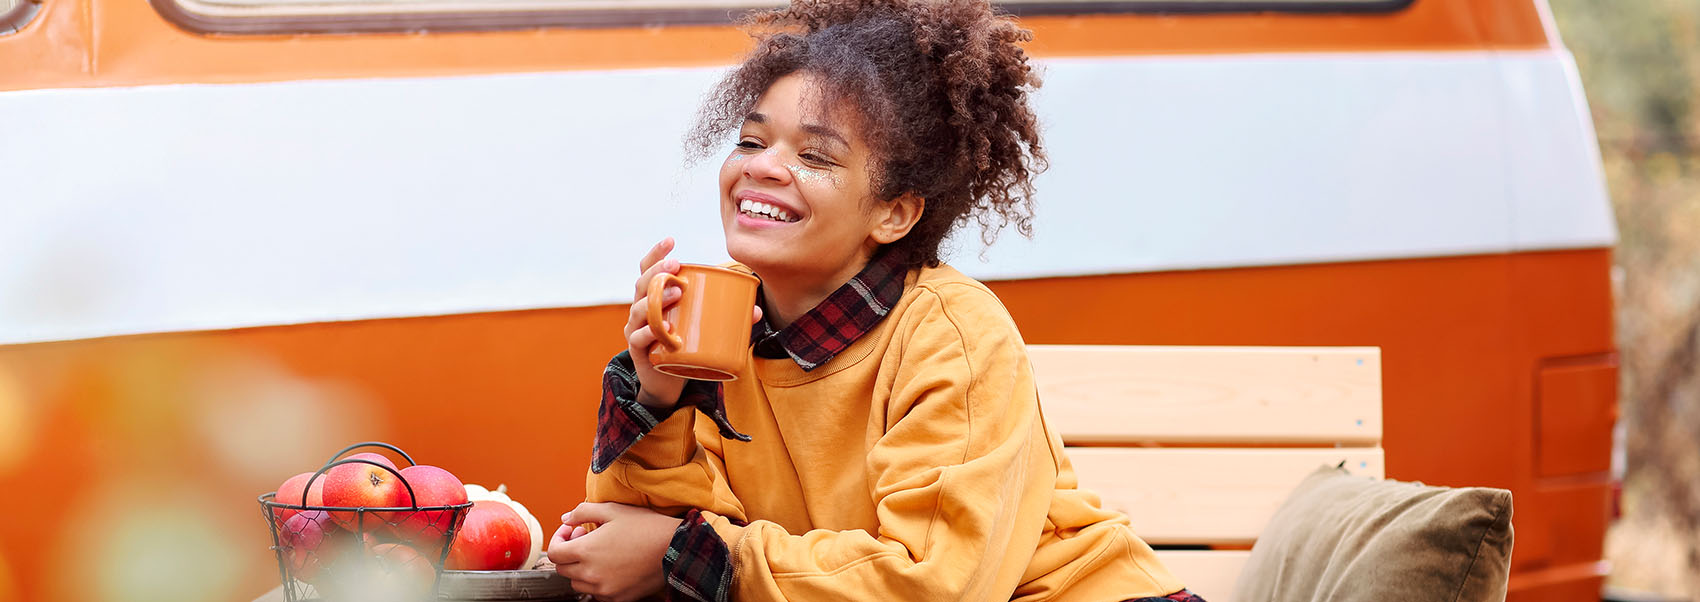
795	197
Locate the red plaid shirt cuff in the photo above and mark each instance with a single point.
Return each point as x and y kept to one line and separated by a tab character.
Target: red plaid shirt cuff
698	564
621	421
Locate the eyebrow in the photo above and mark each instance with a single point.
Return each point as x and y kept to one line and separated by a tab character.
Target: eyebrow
826	132
817	130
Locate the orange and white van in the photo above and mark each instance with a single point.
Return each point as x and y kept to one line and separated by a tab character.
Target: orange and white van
237	234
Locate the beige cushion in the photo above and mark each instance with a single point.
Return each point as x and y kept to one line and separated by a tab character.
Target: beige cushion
1340	538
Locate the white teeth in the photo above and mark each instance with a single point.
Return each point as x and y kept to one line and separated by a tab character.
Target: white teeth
757	208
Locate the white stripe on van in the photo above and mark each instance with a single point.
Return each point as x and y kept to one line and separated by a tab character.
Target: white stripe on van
189	207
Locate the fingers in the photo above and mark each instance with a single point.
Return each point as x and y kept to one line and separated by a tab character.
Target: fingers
562	552
571	532
643	339
665	266
589	512
564	533
578	563
569	556
652	264
585	581
754	317
661	249
638	317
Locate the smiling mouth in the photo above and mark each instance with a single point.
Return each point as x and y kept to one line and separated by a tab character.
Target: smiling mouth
760	210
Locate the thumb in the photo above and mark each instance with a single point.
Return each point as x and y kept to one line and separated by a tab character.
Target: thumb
589	512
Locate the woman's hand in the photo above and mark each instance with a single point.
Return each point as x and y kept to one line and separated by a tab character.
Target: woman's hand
621	559
655	389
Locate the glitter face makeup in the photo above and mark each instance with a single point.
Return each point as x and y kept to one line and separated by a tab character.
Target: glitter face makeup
795	192
814	176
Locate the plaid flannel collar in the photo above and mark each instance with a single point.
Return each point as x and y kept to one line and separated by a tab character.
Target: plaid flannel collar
844	316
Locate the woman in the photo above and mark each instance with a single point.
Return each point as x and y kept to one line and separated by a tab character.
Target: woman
884	441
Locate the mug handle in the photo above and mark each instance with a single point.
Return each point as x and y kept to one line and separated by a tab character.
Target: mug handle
658	285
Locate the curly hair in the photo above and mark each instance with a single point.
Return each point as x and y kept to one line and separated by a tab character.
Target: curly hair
939	89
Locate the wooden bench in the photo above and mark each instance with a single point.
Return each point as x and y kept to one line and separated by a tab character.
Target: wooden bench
1200	445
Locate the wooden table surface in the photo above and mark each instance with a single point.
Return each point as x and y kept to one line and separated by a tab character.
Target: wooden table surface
486	586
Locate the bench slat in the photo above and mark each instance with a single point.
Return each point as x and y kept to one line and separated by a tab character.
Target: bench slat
1208	573
1206	495
1131	394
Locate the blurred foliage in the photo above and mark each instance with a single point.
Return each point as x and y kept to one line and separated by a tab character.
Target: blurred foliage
1640	64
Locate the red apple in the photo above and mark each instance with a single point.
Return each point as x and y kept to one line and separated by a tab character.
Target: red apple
361	485
379	458
493	538
428	530
290	493
309	543
373	537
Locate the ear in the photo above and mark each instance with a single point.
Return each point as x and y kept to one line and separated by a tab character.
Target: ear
898	217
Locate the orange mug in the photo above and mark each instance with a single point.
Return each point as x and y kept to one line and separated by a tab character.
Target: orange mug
710	332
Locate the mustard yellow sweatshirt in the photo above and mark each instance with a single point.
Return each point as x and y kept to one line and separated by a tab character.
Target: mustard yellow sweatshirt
915	465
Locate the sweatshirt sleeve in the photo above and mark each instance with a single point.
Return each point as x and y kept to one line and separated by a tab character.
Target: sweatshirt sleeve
659	459
961	477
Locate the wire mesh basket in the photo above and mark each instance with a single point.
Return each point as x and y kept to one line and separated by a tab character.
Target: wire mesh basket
342	553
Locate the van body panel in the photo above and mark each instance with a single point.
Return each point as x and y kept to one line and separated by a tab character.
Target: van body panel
377	198
511	396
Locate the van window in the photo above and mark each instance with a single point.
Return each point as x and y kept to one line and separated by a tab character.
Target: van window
345	16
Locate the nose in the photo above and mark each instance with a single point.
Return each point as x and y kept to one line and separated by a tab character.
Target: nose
767	166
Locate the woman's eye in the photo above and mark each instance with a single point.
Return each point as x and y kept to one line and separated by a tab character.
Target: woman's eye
749	145
816	159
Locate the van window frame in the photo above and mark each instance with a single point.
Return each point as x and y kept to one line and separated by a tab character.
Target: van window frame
13	20
1096	7
183	14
